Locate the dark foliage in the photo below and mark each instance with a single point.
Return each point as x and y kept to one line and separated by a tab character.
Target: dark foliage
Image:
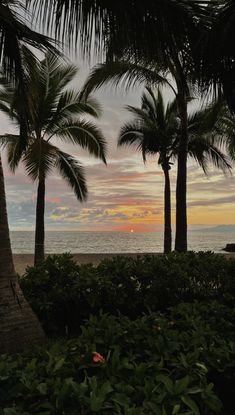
157	364
63	293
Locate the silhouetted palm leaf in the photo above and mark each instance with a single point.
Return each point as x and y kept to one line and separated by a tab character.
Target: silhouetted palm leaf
156	130
133	26
85	134
73	173
39	159
14	31
124	74
14	150
203	151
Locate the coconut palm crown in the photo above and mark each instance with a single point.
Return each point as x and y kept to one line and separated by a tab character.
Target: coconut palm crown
55	111
155	130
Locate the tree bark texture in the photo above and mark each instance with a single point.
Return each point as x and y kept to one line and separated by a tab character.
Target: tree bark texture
39	253
19	327
167	211
181	185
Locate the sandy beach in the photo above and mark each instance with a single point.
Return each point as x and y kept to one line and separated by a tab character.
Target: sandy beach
21	261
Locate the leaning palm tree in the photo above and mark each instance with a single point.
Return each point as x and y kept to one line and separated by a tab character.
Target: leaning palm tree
155	130
19	326
160	33
55	112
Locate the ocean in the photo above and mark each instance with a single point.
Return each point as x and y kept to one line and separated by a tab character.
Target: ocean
116	242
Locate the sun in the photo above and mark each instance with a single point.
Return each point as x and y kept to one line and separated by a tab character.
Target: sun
132	231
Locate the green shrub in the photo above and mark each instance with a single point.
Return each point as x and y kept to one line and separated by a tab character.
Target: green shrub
157	364
63	293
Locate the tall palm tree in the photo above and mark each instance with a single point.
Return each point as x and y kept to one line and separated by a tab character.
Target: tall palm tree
55	112
155	130
19	327
163	33
128	74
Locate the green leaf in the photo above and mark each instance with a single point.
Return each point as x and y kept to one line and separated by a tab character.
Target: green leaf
176	409
167	382
96	402
181	385
194	390
191	404
202	367
59	364
42	388
105	389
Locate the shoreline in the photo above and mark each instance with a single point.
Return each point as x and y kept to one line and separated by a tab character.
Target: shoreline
21	261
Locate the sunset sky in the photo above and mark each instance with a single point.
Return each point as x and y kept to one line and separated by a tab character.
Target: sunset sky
125	195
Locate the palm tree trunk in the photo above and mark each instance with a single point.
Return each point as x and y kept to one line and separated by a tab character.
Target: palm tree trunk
167	211
39	253
181	185
19	327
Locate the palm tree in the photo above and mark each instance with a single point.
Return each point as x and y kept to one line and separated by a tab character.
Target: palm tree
55	112
14	33
161	33
19	327
156	131
128	74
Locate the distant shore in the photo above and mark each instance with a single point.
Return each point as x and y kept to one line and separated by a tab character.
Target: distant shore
21	261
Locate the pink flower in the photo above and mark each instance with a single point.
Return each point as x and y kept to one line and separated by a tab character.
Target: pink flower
97	358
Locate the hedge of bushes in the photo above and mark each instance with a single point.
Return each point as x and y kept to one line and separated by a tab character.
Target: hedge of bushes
155	336
63	294
182	363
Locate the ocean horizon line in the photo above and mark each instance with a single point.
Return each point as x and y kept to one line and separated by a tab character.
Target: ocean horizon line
196	227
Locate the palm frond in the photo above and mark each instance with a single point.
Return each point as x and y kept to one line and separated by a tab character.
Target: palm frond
204	120
134	26
217	52
6	109
131	134
14	155
149	104
84	134
144	117
73	173
204	152
8	139
59	74
14	32
40	159
71	105
122	73
11	143
142	137
224	134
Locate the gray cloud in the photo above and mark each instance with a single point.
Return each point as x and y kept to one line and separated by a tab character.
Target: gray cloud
114	190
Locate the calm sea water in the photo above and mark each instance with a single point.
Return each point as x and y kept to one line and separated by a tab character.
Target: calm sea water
115	242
